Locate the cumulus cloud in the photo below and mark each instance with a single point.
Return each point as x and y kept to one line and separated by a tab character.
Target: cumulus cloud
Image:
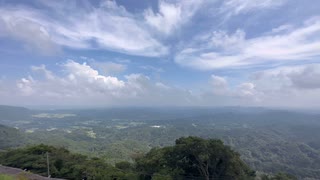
219	84
301	43
81	84
108	27
83	73
221	89
247	89
288	86
43	70
305	77
109	68
79	80
221	93
25	86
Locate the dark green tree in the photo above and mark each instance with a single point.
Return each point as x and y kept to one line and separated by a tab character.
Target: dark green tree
194	157
63	164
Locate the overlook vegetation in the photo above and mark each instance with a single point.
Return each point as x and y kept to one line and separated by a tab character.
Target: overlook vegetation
268	141
63	164
190	158
10	137
194	157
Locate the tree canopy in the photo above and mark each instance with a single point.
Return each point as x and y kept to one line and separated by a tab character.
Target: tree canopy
194	157
190	158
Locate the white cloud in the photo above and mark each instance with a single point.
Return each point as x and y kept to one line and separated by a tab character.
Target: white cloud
219	85
222	94
235	7
16	25
290	86
81	84
108	26
83	73
111	27
25	86
282	28
171	15
223	40
80	80
246	89
138	84
167	19
301	43
293	77
243	92
42	69
109	68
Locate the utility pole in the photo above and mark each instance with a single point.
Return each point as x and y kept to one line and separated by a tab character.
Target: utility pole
48	165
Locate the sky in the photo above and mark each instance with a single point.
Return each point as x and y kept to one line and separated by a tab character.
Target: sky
102	53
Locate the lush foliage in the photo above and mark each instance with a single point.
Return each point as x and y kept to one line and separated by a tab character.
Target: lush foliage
10	137
269	141
194	157
63	164
189	158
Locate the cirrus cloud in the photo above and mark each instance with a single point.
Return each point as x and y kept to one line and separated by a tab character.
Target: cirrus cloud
220	50
106	27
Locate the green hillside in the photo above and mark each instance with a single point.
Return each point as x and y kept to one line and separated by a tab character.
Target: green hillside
10	137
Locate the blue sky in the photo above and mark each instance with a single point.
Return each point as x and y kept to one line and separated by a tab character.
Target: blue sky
184	53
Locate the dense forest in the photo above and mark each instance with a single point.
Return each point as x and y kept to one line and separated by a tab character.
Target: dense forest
268	141
190	158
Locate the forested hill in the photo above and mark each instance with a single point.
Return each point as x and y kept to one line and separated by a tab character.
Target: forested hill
190	158
14	113
10	137
268	141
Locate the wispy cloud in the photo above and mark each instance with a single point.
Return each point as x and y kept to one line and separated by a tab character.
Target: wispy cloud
171	15
108	27
235	7
220	50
